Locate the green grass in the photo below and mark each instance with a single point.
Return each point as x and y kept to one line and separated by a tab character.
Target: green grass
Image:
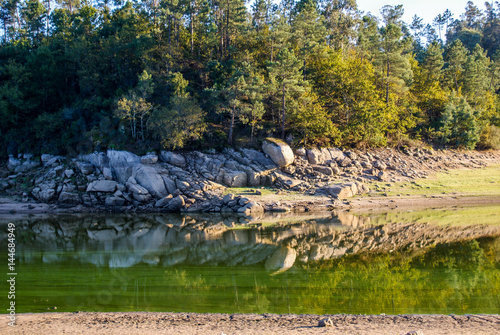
486	215
477	182
268	194
249	190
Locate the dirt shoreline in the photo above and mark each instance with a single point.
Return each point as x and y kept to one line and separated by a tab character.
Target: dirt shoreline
192	323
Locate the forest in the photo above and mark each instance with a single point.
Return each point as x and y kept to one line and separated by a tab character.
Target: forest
78	76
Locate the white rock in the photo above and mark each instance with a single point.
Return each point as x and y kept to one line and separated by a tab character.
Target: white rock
279	152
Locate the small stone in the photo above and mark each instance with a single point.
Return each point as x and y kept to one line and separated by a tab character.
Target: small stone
379	165
164	201
351	154
243	201
149	159
415	332
85	168
228	198
325	323
106	172
69	173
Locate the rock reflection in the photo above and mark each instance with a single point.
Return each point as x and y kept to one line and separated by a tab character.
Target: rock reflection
168	240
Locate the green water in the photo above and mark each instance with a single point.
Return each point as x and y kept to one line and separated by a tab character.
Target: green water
169	263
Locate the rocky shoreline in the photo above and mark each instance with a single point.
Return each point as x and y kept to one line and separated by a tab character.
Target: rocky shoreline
120	181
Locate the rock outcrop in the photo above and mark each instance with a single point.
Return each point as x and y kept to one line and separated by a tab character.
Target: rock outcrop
195	181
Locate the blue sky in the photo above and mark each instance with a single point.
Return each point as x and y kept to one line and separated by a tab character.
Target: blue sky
426	9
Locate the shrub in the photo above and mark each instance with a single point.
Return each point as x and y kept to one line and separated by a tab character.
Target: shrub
459	124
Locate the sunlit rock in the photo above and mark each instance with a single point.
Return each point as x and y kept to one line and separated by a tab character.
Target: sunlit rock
279	152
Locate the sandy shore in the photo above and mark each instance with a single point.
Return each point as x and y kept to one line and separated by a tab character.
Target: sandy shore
191	323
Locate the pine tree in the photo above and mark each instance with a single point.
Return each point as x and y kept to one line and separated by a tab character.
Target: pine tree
427	83
308	31
33	14
476	80
491	31
285	78
391	59
455	58
460	126
473	16
341	18
182	120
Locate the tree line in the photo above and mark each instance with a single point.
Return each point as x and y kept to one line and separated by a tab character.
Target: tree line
197	74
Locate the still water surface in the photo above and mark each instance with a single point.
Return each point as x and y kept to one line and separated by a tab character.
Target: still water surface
327	264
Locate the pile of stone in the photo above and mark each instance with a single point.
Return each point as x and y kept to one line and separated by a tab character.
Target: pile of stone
195	181
165	182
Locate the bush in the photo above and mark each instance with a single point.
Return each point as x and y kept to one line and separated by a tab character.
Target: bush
459	124
490	138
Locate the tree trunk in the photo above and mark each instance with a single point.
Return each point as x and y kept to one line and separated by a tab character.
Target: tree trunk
251	132
227	28
283	114
230	136
169	34
387	85
191	28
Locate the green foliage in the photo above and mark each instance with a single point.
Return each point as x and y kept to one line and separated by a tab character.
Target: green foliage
311	69
345	84
133	109
181	122
286	84
490	137
460	125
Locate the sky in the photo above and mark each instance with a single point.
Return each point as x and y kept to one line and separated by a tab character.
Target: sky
426	9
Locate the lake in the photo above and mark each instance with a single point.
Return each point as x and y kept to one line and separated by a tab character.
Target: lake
420	261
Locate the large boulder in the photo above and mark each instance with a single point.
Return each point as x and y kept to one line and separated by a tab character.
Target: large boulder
85	168
44	192
148	177
169	184
149	159
316	156
27	166
252	208
235	178
105	186
343	191
336	154
173	158
12	163
253	178
122	164
139	193
175	204
279	152
69	198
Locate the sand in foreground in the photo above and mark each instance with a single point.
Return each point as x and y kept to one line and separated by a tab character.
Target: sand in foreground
191	323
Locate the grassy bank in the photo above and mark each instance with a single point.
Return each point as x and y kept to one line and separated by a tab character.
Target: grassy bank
476	182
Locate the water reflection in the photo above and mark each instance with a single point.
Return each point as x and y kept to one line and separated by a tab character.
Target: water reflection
328	263
168	240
